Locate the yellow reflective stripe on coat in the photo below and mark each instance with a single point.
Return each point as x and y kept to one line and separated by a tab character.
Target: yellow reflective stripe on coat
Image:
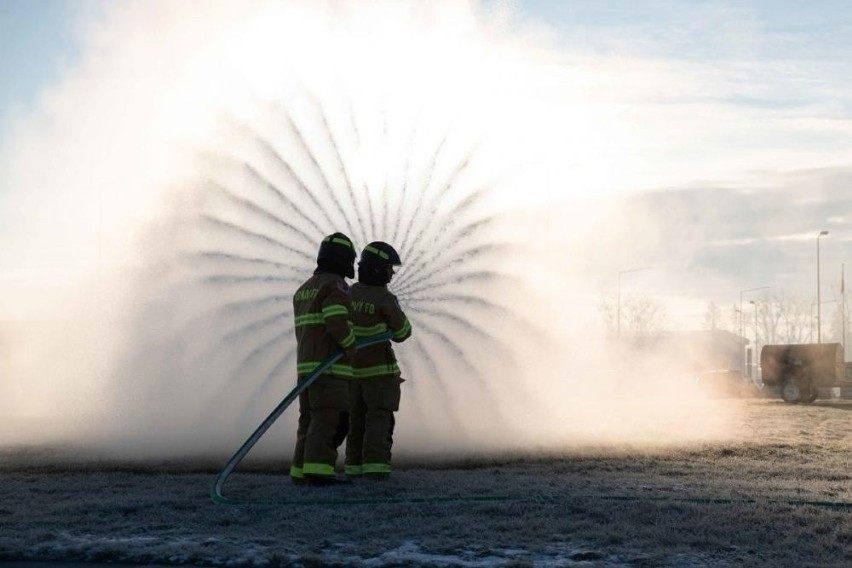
296	472
376	468
366	331
313	318
308	367
348	340
335	310
376	371
318	469
403	331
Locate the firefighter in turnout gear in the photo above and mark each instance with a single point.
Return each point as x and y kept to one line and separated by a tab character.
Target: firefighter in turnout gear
323	313
374	390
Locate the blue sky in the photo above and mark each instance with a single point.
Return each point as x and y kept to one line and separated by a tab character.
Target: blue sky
37	41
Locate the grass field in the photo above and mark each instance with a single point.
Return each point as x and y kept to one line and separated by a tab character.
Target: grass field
779	493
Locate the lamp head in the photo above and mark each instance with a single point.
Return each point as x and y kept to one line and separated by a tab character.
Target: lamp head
821	233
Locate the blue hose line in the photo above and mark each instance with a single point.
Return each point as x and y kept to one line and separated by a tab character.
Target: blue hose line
219	483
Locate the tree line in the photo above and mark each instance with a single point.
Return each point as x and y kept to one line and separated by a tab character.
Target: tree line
771	318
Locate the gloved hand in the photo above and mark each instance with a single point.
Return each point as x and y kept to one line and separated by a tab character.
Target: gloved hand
349	353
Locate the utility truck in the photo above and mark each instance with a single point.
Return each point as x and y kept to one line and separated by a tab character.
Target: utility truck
801	370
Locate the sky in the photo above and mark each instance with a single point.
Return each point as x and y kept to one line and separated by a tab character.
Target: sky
810	43
37	42
742	110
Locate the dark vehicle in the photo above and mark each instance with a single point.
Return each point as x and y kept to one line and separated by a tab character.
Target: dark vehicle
727	383
800	371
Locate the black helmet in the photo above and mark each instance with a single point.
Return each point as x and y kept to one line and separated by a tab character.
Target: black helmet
337	255
378	252
377	260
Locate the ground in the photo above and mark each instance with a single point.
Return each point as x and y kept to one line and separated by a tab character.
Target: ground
779	495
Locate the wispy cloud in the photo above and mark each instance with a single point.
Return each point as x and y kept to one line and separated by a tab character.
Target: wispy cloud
715	89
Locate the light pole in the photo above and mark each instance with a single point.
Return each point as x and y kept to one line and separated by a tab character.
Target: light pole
754	358
742	338
819	310
618	301
843	307
813	319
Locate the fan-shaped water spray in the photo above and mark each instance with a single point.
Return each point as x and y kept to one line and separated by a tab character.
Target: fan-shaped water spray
248	238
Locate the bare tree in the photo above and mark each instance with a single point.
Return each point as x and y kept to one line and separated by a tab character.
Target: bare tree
639	314
775	318
734	319
780	319
765	322
607	310
713	317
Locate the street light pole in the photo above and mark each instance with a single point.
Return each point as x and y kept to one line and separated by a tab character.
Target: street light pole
754	358
843	306
819	309
742	337
813	318
618	301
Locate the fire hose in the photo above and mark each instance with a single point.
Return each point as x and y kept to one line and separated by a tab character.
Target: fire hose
219	483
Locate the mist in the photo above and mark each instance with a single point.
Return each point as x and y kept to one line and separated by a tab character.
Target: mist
166	198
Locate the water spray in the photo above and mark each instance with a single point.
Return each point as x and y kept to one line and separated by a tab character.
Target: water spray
272	126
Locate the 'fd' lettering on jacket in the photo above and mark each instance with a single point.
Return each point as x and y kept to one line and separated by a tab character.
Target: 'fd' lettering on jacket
376	310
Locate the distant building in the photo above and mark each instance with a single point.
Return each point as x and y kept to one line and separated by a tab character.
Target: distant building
701	350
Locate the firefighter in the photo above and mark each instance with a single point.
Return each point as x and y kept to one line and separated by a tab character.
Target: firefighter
323	313
374	391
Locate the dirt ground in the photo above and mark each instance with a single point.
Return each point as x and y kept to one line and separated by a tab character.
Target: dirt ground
781	495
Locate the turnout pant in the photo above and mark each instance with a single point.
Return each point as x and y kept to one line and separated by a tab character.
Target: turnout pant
323	423
372	404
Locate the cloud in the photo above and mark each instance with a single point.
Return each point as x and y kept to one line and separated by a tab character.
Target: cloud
712	241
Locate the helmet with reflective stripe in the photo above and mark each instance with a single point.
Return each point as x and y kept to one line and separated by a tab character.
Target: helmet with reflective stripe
376	265
380	253
338	253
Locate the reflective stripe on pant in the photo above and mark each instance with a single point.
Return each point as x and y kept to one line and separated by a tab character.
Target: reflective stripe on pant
371	424
323	423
